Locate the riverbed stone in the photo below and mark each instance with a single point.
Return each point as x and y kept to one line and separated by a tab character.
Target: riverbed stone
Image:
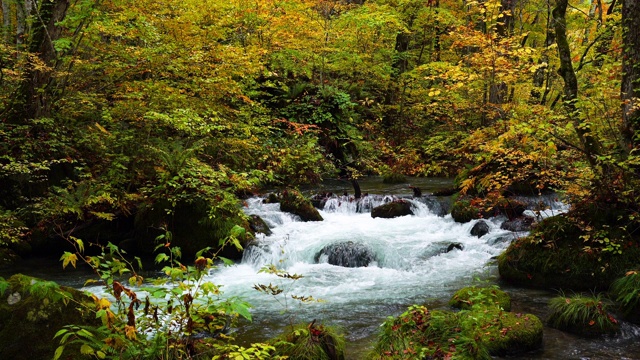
258	225
347	254
33	310
392	209
519	224
480	229
292	201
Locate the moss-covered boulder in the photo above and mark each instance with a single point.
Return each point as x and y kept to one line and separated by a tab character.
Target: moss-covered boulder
258	225
469	297
554	256
194	226
478	333
310	342
507	333
392	209
463	211
33	310
582	315
292	201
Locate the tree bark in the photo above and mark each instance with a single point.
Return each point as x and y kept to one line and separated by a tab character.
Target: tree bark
630	88
34	98
570	91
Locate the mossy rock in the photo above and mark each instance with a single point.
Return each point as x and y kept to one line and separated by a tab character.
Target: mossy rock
586	316
392	209
394	178
478	333
310	342
553	256
292	201
462	211
194	226
507	333
33	310
470	297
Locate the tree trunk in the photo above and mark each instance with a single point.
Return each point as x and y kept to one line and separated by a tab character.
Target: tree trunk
590	146
34	97
6	21
630	89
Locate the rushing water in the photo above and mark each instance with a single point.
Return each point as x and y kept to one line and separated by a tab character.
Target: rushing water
410	266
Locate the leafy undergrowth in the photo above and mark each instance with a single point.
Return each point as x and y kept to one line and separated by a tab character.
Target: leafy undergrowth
582	315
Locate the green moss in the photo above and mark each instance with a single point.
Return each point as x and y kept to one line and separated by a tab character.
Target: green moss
310	342
470	297
554	256
506	333
292	201
33	310
462	211
582	315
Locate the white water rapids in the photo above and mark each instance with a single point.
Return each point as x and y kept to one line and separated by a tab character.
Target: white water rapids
411	266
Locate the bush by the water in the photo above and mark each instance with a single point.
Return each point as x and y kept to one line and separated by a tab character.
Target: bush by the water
626	292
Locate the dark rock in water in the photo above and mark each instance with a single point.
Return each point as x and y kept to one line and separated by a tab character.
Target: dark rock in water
416	191
522	223
347	254
501	239
480	229
271	199
463	211
319	200
258	225
438	248
295	203
455	246
445	192
393	209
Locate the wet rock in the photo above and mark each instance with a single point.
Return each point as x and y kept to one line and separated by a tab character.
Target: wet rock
295	203
501	240
522	223
462	211
347	254
480	229
258	225
438	248
392	209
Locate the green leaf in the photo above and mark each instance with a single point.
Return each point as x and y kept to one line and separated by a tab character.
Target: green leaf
58	352
161	258
86	350
227	262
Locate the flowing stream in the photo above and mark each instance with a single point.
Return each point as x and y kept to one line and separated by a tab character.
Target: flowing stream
408	264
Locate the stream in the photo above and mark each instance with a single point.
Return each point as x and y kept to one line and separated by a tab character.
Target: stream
409	265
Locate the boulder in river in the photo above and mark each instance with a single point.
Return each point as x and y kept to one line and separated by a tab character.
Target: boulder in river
441	247
519	224
258	225
347	254
480	229
392	209
292	201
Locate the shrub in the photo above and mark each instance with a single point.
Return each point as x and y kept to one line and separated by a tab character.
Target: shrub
311	342
626	291
469	297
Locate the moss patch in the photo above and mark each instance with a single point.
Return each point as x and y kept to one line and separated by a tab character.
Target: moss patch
506	333
33	310
469	297
292	201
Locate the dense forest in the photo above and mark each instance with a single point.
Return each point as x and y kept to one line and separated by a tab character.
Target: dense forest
123	122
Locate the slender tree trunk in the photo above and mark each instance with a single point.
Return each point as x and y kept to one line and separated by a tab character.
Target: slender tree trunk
34	98
630	89
6	21
590	146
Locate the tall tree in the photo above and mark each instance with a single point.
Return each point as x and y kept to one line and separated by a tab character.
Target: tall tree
631	71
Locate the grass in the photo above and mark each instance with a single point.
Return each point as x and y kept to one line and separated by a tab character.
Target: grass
582	315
